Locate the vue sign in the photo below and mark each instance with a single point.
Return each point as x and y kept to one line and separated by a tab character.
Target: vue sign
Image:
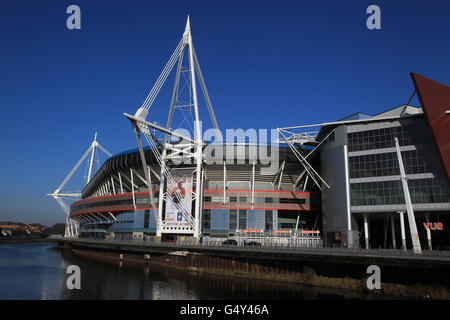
434	226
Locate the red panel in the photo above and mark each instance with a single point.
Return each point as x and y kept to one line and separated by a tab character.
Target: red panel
435	100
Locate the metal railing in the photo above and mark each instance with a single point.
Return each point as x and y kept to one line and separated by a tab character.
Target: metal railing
306	245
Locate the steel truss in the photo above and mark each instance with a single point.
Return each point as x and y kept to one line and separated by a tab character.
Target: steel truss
185	148
304	138
72	225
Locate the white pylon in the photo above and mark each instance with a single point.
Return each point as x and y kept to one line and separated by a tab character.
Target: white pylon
188	148
409	207
72	225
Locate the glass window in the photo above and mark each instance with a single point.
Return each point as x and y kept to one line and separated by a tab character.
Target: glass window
268	220
219	219
206	219
233	220
242	219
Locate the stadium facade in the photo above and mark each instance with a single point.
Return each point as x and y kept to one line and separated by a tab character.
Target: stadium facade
237	198
362	181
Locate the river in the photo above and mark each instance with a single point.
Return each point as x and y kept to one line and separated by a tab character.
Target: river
37	271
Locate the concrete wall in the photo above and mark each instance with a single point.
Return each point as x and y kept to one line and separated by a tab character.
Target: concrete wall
335	207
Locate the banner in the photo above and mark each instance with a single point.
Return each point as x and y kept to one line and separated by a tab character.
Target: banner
179	195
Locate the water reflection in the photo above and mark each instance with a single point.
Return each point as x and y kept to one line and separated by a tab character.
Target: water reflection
38	271
30	271
102	280
115	280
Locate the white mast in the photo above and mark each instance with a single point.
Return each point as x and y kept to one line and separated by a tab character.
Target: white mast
71	225
165	151
409	208
92	164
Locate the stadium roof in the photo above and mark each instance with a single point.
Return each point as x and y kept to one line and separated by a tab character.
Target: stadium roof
394	113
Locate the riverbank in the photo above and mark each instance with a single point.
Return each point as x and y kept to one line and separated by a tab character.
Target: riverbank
257	286
302	274
37	271
22	240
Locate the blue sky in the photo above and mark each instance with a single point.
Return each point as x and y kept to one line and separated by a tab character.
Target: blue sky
267	64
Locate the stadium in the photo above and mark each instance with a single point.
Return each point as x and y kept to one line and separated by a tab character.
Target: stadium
237	198
347	183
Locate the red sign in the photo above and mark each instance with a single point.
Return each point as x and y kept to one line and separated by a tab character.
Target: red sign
434	226
435	100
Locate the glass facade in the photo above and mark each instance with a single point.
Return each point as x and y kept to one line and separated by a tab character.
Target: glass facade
429	191
146	218
421	160
386	164
238	219
269	220
256	219
206	219
391	192
233	220
242	218
213	219
377	139
219	219
377	193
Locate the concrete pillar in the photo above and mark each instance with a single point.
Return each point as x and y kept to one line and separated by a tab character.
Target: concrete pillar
394	245
402	229
366	230
427	221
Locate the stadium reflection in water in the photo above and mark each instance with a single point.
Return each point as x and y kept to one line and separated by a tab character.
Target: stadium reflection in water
38	271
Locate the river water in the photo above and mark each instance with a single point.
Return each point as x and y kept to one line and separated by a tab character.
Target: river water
37	271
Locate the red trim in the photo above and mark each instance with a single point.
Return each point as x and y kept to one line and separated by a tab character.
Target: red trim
228	208
312	231
221	208
220	190
114	195
256	190
130	193
112	210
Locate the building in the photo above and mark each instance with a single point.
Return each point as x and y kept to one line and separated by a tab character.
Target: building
18	228
237	198
356	182
365	205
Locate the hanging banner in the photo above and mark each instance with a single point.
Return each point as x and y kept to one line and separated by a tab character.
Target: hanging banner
179	198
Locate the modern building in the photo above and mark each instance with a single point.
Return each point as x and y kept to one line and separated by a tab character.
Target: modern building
237	198
366	205
362	181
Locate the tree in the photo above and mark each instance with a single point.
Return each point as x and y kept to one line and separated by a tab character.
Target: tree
57	228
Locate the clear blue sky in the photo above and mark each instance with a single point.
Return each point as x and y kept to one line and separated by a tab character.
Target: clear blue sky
267	64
